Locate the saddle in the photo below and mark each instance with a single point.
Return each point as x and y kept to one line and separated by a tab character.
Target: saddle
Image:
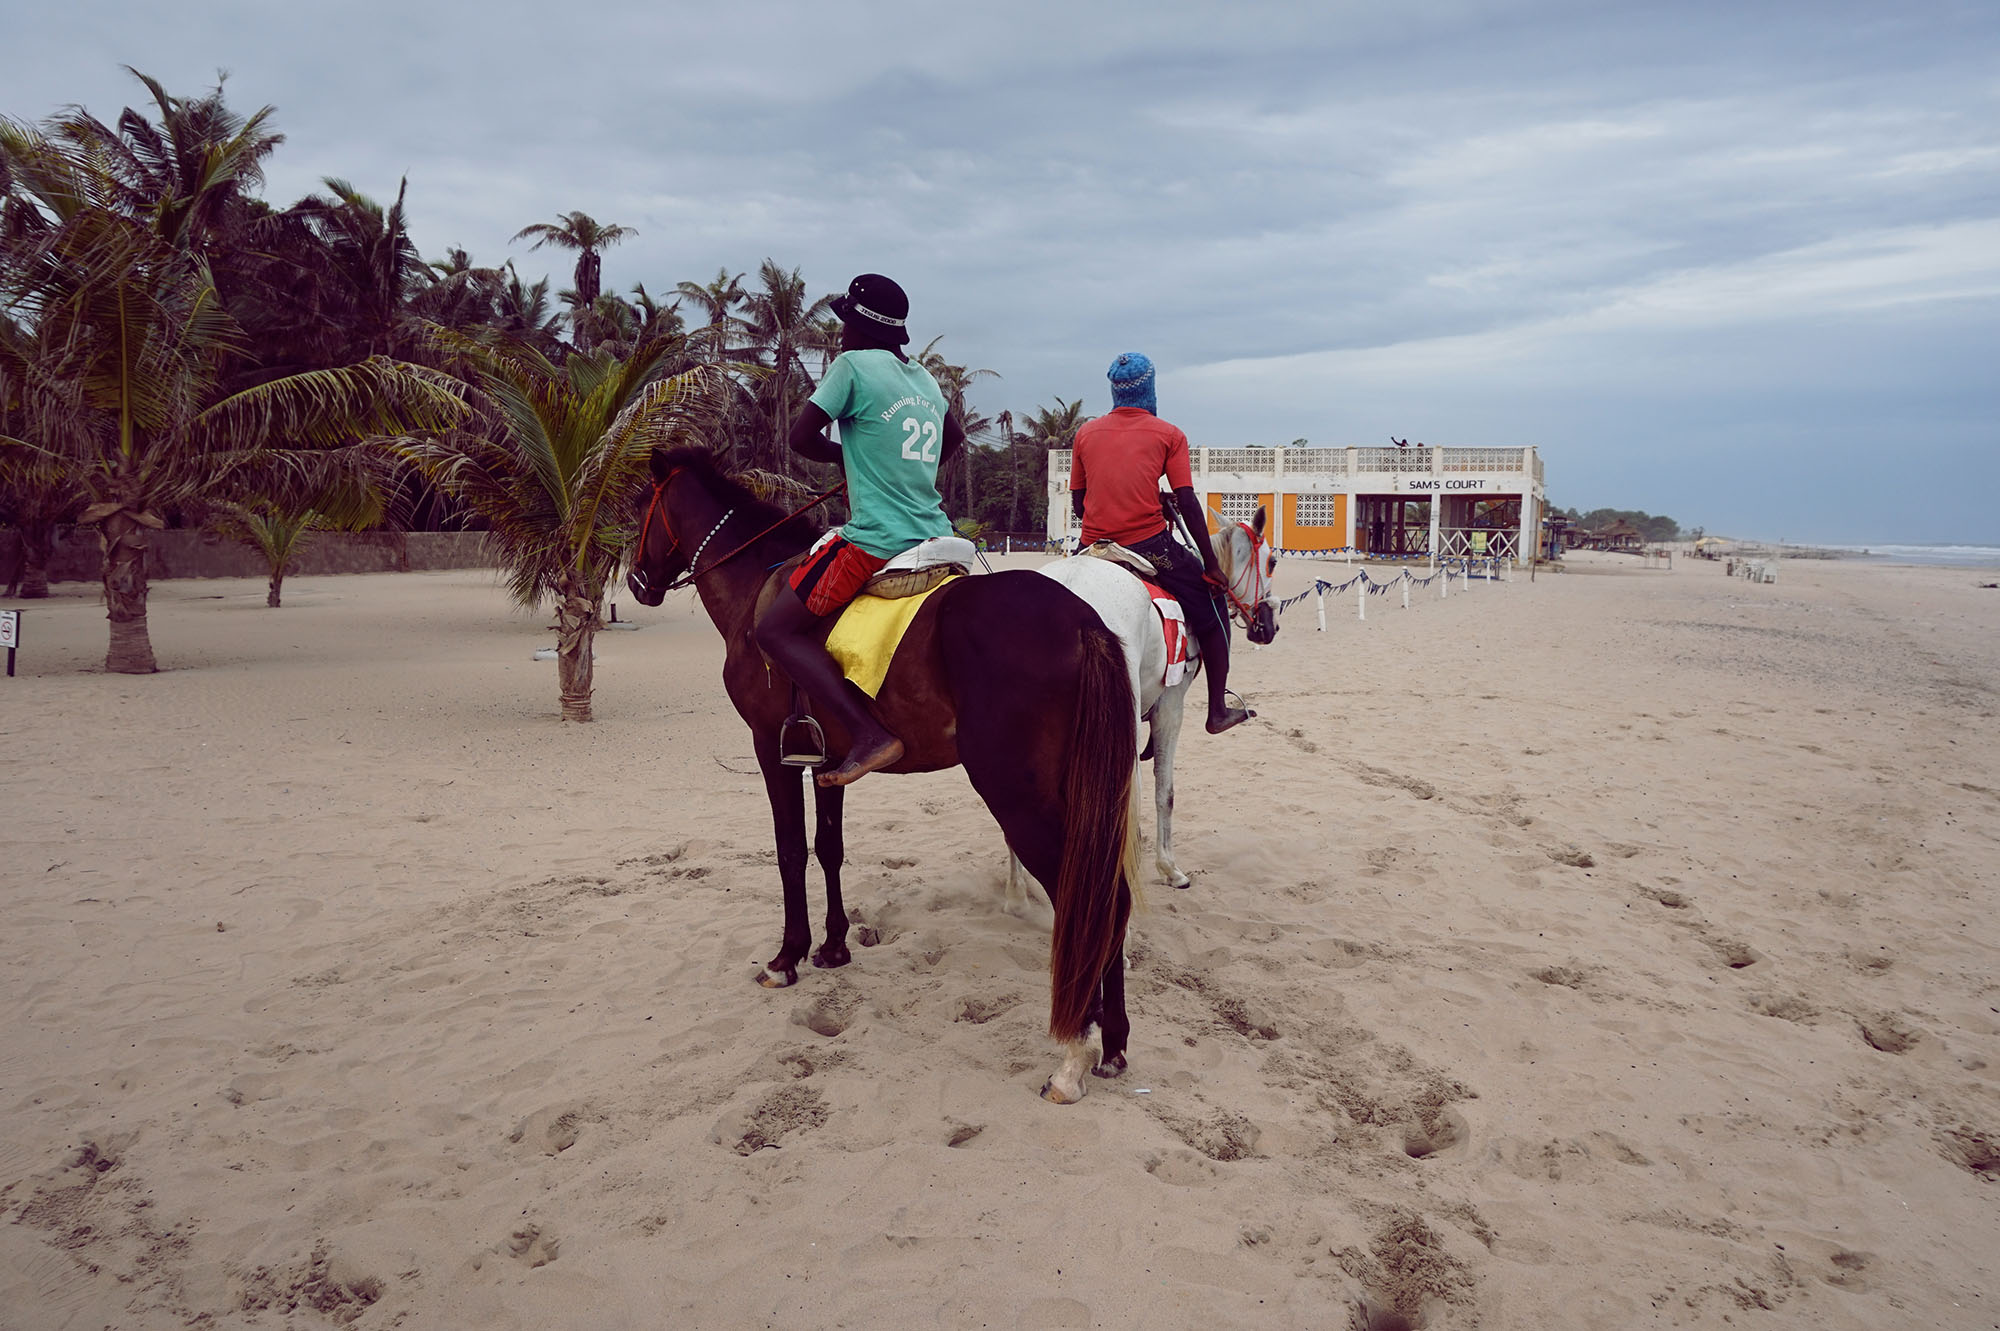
1180	644
864	636
923	566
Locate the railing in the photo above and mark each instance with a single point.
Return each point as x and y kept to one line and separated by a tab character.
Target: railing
1485	459
1392	459
1317	461
1478	542
1242	461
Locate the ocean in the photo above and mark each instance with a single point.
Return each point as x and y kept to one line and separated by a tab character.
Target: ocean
1954	556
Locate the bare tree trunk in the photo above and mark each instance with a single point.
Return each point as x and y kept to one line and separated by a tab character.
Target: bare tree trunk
577	623
277	581
38	547
131	650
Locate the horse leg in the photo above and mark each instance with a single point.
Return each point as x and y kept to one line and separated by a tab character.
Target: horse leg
829	849
784	787
1117	1024
1020	902
1166	737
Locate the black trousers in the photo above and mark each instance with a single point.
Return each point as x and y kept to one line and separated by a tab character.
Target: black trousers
1180	573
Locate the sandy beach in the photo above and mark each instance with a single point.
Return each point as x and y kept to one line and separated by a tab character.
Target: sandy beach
1613	950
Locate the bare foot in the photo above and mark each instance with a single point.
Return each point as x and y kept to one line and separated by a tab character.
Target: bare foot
861	761
1231	716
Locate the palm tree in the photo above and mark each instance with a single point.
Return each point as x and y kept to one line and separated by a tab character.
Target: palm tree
717	300
279	533
375	265
122	362
952	381
588	237
555	456
778	324
182	175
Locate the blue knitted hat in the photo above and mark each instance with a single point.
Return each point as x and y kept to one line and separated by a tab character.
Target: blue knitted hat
1131	378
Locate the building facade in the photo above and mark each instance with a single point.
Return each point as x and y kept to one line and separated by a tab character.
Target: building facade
1383	503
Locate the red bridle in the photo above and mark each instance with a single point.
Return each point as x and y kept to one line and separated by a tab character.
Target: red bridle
657	504
1260	586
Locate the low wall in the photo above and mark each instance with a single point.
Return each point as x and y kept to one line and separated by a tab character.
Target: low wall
79	554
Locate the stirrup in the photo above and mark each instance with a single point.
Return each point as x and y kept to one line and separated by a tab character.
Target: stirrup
811	753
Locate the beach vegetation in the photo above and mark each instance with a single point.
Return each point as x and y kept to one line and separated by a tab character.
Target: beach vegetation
552	458
121	364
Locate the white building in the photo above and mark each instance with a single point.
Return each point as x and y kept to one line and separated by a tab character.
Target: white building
1380	502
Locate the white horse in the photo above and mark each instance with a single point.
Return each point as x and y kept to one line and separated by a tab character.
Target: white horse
1126	608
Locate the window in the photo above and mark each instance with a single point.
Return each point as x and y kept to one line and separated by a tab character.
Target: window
1237	508
1314	511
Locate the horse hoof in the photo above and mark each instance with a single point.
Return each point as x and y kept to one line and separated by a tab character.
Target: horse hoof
1113	1066
781	978
831	955
1055	1096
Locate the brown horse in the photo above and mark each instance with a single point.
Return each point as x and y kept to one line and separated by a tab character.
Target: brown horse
1007	673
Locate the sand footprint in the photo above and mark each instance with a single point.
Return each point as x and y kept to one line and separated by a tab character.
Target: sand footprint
831	1012
792	1108
552	1130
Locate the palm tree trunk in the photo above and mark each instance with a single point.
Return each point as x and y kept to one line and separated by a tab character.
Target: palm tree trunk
38	546
1014	476
277	581
576	627
131	650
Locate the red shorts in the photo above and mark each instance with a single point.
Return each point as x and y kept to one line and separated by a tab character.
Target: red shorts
829	577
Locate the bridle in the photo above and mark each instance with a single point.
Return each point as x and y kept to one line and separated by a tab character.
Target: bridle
1260	583
657	505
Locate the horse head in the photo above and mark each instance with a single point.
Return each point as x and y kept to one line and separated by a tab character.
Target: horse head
1248	564
656	554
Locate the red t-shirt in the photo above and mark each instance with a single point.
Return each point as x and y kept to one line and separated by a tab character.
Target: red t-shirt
1117	463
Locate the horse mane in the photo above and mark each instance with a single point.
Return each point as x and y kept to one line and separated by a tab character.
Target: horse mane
796	531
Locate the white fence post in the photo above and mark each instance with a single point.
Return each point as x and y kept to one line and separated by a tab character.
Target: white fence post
1361	599
1319	599
1444	584
1406	589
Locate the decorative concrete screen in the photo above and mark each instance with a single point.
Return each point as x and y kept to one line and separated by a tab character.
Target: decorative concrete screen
1236	508
1313	511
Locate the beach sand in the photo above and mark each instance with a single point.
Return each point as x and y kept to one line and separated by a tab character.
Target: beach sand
1612	950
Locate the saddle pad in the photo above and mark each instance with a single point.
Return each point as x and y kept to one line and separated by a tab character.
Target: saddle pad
865	637
1173	628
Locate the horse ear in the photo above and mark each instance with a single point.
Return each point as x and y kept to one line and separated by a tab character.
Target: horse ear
658	463
1257	523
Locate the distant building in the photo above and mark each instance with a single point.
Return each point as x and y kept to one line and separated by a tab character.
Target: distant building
1384	503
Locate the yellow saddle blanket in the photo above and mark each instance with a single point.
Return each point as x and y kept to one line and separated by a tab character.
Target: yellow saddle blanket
864	639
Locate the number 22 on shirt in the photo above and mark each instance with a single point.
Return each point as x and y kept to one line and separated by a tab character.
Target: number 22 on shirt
920	440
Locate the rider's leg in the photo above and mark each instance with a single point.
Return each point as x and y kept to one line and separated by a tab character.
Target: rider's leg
1214	640
1180	574
787	631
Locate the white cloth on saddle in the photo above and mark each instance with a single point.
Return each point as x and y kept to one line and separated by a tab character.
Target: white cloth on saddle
937	550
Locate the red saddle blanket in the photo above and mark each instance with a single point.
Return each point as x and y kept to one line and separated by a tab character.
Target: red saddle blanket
1173	630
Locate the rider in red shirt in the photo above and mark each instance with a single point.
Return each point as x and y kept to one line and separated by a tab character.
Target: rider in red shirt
1114	483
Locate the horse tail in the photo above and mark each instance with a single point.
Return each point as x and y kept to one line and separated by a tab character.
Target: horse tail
1093	895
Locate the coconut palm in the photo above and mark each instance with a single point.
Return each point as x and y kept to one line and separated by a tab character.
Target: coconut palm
952	381
780	324
278	533
717	301
552	462
183	174
122	362
588	238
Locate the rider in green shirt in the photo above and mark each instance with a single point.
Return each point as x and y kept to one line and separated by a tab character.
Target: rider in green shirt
895	432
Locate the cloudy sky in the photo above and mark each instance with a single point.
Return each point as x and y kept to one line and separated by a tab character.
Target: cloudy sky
1736	263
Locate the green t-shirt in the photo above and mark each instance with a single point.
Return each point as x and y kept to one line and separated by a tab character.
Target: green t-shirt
891	418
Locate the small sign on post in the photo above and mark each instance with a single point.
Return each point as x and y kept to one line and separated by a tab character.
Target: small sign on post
10	636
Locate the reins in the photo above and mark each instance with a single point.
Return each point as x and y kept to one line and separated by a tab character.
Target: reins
1248	612
693	569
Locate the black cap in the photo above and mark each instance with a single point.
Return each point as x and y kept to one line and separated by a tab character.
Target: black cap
876	305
